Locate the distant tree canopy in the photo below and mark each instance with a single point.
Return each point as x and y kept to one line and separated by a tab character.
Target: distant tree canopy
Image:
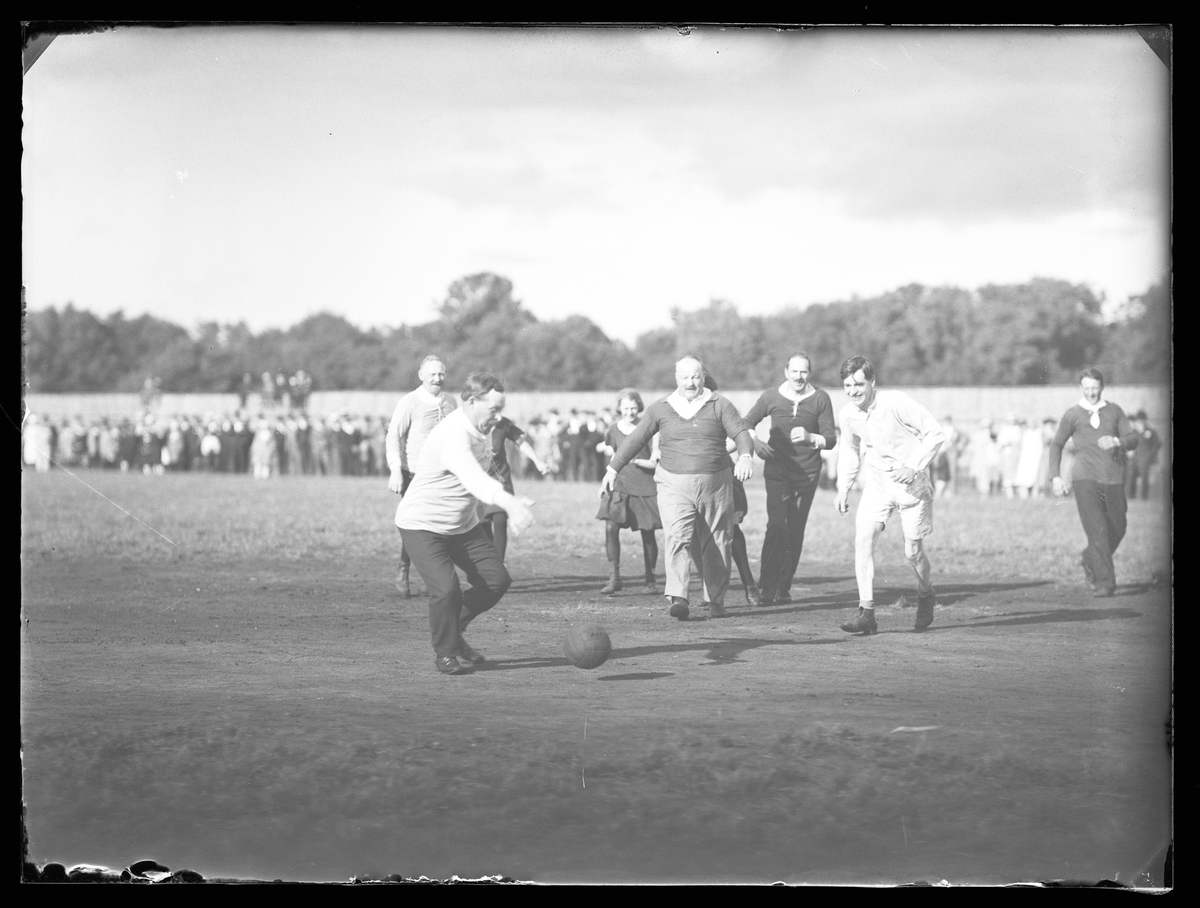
1040	332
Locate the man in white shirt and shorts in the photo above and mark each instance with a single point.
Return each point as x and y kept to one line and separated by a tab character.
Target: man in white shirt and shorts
891	439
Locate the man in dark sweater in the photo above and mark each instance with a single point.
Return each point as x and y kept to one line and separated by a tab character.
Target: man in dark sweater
802	426
695	483
1102	435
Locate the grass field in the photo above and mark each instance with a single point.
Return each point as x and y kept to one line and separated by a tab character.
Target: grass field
217	673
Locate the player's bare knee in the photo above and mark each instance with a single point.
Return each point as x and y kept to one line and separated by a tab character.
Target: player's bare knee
914	551
864	539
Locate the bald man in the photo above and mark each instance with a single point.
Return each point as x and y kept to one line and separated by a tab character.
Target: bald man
694	480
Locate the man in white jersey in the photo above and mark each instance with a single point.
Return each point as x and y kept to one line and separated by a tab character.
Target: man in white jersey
415	416
892	439
440	524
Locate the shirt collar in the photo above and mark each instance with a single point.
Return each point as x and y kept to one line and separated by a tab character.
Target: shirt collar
430	398
688	408
785	390
461	413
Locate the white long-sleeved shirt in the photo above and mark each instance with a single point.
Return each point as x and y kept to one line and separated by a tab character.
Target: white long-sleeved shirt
450	479
894	431
414	418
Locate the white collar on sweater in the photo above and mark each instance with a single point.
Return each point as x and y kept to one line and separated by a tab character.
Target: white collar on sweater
435	399
1094	409
785	391
688	408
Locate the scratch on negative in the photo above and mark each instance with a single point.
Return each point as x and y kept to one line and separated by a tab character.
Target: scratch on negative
113	503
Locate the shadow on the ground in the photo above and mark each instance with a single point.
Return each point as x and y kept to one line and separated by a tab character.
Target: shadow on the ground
1136	589
720	652
888	596
952	593
948	594
586	584
1013	619
1052	616
802	582
589	584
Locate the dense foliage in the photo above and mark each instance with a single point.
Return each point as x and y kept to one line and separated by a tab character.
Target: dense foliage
1040	332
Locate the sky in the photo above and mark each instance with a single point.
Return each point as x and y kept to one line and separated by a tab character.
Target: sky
264	174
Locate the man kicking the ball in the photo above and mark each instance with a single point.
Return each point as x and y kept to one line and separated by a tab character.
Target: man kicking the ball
893	439
439	520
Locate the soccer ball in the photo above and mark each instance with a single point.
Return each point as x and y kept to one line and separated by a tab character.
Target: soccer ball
587	647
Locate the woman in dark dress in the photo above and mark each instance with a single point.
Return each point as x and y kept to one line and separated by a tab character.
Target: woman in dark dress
633	502
496	518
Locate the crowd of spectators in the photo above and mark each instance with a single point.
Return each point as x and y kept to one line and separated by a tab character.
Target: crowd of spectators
279	444
1007	458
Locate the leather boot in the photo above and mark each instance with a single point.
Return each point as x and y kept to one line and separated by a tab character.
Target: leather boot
614	578
651	583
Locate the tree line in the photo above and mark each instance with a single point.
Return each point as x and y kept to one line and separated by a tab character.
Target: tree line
1040	332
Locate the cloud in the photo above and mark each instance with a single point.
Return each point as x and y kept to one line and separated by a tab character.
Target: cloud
614	173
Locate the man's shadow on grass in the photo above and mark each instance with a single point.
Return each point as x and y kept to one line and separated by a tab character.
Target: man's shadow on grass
721	652
633	585
586	584
948	594
888	596
1052	616
1014	619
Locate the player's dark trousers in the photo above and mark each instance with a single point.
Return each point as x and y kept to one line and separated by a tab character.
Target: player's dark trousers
1102	510
788	504
435	556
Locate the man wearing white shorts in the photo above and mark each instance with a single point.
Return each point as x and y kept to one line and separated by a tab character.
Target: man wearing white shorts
892	439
